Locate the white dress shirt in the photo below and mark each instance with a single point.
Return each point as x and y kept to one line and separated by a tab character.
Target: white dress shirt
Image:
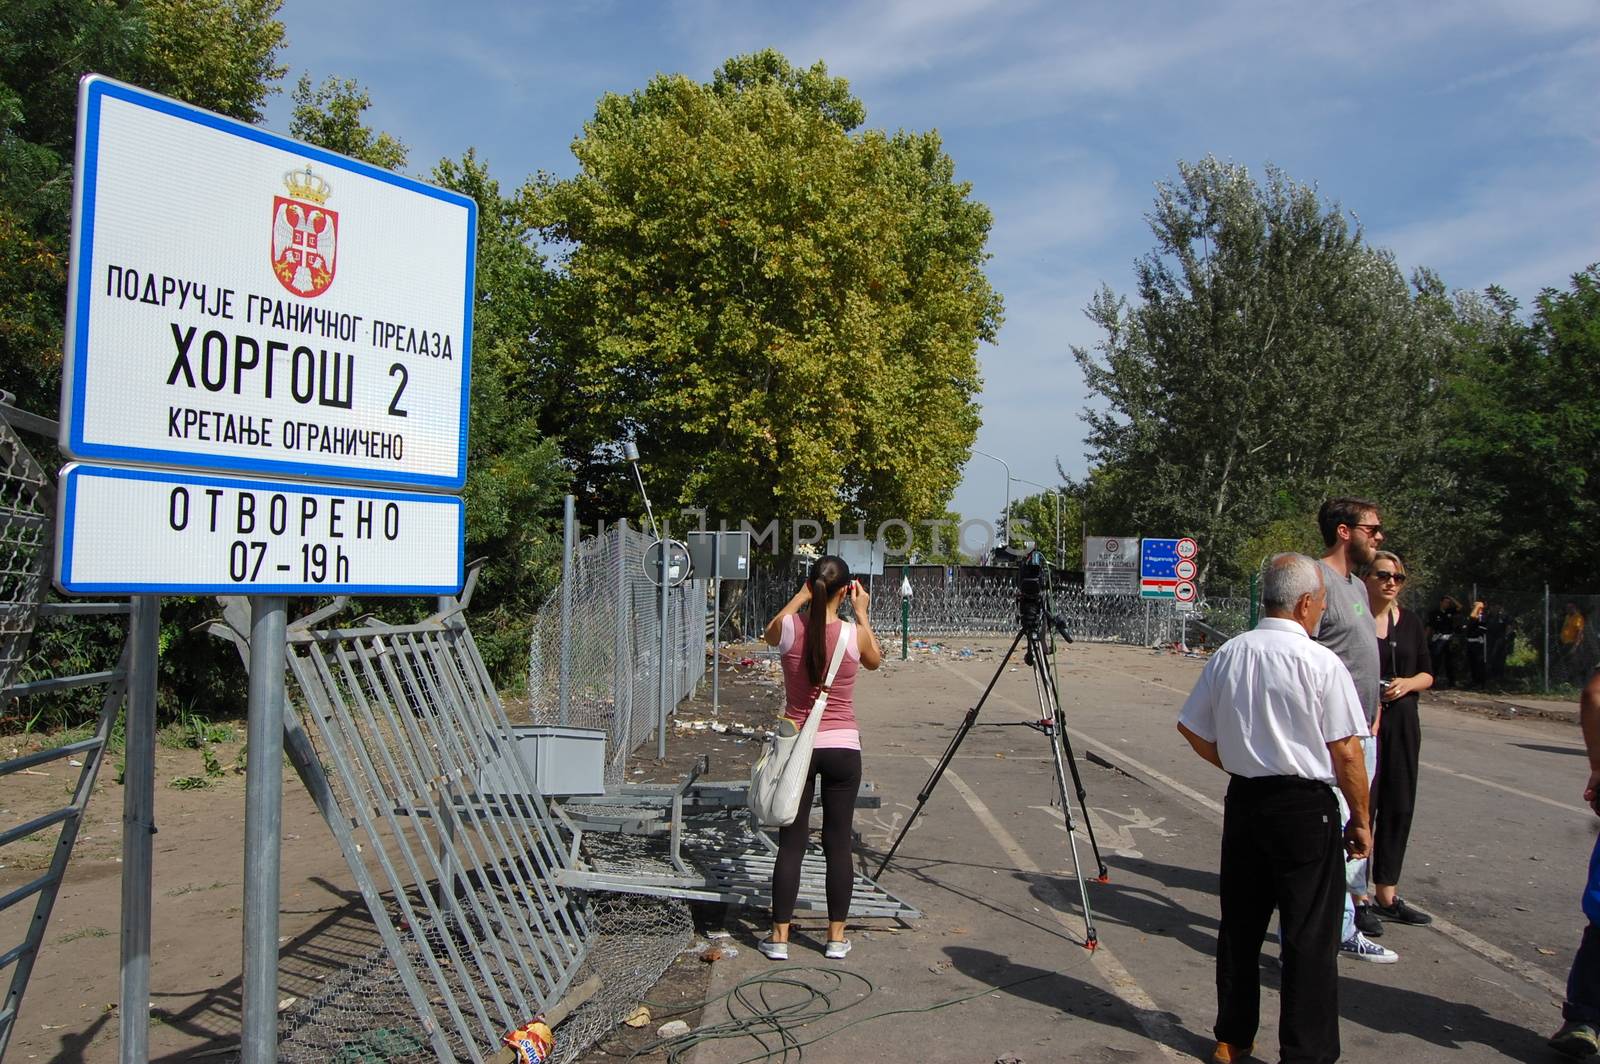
1272	700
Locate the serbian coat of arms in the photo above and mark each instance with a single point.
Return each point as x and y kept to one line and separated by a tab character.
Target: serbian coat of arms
305	234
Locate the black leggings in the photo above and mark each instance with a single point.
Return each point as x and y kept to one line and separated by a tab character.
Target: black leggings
841	779
1394	796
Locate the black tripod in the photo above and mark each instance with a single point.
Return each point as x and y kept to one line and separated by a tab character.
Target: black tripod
1052	723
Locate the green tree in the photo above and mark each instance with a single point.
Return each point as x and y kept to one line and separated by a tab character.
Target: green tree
1515	489
514	473
781	308
1241	383
331	115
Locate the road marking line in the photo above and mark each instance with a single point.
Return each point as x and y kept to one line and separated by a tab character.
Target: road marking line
1580	810
1127	989
1459	935
1495	955
1204	801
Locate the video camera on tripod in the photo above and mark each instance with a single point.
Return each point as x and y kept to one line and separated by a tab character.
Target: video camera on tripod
1038	622
1033	597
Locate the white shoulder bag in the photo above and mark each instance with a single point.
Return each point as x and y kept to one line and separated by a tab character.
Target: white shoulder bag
784	768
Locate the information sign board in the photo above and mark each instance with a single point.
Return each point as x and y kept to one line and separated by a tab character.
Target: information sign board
1158	564
123	531
726	552
1110	565
243	302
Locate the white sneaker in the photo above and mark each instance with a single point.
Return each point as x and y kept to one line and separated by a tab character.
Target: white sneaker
778	951
1362	948
836	950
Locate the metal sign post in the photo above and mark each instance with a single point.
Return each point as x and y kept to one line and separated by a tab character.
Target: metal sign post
138	828
263	828
716	630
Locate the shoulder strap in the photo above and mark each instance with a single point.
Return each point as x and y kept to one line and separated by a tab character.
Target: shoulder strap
847	630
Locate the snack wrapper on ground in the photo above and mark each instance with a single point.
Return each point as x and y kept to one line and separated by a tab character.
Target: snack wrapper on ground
533	1043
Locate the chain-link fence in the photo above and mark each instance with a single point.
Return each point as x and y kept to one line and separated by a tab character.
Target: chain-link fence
982	600
1525	640
595	658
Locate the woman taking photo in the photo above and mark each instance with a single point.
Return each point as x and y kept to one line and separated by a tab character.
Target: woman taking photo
1406	668
806	645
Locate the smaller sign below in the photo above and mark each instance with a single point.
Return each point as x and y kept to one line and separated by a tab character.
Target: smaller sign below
130	531
1184	591
1110	565
1185	569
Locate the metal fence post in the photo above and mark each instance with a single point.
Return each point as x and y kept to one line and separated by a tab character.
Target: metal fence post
1547	637
568	546
263	829
662	678
716	626
138	827
622	660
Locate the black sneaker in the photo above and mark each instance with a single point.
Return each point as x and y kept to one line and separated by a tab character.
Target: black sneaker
1367	922
1401	913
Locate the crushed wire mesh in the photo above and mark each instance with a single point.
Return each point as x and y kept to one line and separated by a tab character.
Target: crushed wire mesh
363	1014
26	539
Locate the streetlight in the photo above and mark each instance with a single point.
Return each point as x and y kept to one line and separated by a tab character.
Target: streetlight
1006	513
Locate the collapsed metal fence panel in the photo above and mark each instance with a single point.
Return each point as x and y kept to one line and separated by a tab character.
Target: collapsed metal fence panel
457	866
612	634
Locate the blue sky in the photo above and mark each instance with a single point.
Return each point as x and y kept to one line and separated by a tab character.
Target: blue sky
1463	135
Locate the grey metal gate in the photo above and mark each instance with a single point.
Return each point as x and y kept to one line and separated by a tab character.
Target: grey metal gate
395	726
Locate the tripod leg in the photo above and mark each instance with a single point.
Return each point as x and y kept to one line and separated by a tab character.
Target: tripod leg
1072	764
1052	723
949	754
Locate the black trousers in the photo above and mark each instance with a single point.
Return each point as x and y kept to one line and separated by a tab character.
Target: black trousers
841	779
1281	849
1394	793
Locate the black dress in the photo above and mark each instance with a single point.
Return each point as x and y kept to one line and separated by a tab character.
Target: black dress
1403	652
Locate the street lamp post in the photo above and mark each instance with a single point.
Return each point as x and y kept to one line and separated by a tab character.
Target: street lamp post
1006	513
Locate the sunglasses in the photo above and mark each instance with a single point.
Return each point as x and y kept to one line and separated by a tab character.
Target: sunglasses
1370	529
1383	577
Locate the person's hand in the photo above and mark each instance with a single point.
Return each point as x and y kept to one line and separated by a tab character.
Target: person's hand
1591	791
804	594
1357	840
1398	688
859	602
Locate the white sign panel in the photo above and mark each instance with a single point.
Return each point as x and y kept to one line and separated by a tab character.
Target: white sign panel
122	531
1111	565
243	302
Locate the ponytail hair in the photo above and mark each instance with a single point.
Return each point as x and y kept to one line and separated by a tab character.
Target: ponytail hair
828	574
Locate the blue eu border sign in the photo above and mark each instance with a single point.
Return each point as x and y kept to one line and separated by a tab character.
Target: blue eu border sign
1158	568
242	302
152	531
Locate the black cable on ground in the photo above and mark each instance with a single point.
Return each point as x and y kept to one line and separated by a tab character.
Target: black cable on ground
762	1016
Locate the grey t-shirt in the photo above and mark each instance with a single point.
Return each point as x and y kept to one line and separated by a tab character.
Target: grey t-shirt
1347	630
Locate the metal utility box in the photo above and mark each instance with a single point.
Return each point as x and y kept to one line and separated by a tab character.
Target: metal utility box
731	549
564	762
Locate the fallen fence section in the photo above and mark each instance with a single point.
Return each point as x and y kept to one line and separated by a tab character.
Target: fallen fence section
695	841
393	727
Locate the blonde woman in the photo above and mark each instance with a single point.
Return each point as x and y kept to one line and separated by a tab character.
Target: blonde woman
1405	668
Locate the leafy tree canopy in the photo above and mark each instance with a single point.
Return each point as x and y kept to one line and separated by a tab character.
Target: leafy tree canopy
782	311
1238	387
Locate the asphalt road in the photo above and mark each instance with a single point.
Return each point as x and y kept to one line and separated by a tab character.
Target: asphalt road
1498	854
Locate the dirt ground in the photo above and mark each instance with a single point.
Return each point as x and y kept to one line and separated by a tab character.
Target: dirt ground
70	1013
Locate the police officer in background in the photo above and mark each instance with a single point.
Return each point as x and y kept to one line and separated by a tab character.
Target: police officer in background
1279	713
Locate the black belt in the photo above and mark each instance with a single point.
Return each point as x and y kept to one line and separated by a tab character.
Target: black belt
1266	784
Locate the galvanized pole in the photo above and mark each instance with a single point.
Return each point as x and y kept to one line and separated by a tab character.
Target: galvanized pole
263	826
568	546
661	670
1547	637
716	626
621	671
138	828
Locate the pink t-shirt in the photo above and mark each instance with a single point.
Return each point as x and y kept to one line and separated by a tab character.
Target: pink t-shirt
838	729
